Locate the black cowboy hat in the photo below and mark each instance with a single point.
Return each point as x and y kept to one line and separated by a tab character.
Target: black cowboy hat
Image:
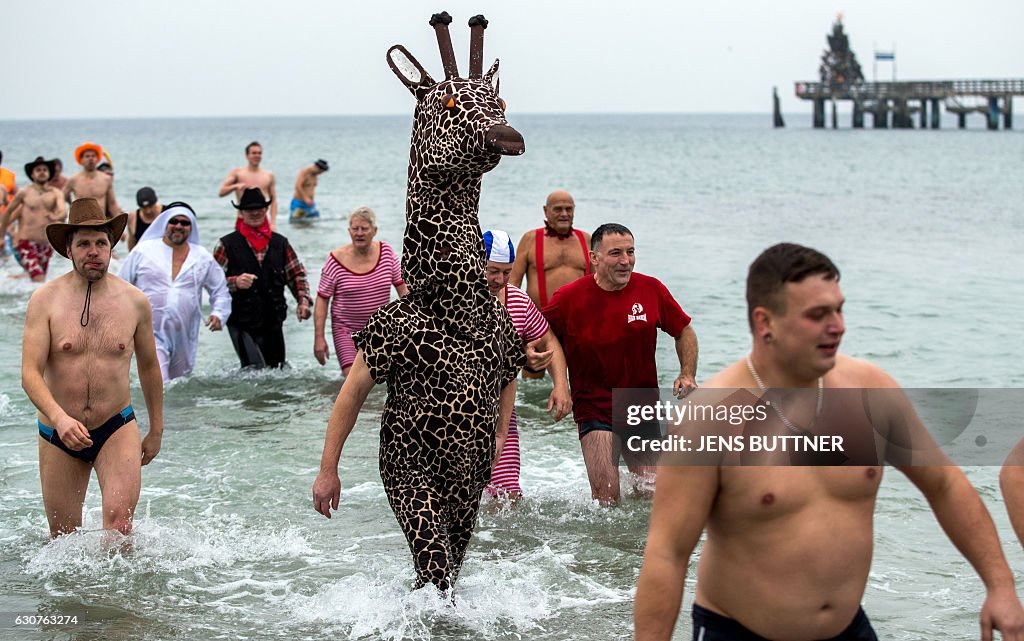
322	164
39	161
85	213
252	198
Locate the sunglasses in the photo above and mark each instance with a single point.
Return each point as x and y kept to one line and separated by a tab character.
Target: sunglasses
182	222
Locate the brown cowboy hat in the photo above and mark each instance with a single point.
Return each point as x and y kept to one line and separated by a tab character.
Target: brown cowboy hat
85	213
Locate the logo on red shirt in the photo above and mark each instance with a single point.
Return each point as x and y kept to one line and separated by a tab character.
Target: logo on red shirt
637	314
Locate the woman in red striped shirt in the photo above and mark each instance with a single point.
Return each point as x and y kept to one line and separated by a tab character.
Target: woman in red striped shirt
356	279
531	326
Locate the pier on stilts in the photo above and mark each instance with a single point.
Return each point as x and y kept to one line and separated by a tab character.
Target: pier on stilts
895	104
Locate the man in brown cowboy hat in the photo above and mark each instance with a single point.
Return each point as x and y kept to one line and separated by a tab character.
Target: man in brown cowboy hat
91	183
259	263
80	332
34	208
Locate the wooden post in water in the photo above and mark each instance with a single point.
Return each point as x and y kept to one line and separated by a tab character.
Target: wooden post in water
819	113
881	115
1008	112
924	113
835	120
901	115
936	115
993	113
776	110
961	120
858	115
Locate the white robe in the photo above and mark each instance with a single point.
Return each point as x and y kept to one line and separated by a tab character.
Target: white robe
176	303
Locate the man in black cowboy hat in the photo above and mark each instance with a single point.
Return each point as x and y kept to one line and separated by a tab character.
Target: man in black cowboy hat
259	263
303	206
33	208
75	369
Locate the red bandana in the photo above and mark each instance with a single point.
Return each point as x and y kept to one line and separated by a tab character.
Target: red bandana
258	237
551	231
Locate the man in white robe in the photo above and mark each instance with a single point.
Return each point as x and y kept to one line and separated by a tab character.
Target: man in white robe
170	266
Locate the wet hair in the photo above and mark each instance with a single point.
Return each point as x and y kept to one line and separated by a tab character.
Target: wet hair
778	265
604	230
251	145
365	213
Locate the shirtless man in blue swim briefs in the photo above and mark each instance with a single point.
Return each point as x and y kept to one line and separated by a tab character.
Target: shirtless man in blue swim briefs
80	332
303	207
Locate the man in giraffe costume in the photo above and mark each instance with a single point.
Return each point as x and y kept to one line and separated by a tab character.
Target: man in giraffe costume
448	352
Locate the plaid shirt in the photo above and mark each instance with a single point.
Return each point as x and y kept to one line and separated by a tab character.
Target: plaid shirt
294	272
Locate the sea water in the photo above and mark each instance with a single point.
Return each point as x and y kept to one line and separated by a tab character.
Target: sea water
926	227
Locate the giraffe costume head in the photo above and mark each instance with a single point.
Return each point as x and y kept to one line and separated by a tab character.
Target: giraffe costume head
459	133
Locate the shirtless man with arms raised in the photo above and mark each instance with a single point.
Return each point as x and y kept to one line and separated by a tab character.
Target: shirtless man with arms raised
75	370
91	183
34	207
788	549
552	256
241	178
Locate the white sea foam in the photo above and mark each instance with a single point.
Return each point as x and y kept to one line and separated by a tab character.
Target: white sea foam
492	598
209	542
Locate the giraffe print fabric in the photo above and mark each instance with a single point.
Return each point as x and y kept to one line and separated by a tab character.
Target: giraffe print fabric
447	349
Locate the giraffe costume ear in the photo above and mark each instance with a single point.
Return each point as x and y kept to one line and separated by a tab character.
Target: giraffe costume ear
409	71
491	77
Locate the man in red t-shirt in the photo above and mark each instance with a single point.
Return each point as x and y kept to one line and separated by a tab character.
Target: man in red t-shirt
607	324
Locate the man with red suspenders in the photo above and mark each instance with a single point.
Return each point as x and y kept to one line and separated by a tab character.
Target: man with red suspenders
552	256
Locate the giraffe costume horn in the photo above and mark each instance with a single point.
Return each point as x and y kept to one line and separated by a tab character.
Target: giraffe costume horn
477	24
440	22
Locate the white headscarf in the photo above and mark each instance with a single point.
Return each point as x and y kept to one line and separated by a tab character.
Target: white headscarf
158	227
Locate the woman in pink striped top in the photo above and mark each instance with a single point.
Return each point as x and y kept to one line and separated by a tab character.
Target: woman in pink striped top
356	279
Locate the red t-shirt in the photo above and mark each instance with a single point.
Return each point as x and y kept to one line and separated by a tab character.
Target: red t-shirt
609	338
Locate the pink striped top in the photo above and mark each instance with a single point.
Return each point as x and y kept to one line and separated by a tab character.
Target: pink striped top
526	317
355	297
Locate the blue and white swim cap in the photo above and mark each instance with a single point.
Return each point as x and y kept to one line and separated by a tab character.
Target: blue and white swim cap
498	246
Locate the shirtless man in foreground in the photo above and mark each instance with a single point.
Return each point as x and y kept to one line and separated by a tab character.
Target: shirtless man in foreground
91	183
75	370
241	178
788	549
34	207
552	256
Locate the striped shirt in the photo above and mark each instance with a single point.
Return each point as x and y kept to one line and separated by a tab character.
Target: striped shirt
530	325
355	297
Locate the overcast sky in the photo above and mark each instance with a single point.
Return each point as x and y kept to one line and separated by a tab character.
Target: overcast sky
137	58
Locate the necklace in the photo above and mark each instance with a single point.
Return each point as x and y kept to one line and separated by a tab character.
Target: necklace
782	417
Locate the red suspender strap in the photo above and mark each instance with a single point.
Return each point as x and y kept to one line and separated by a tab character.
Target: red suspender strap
542	288
586	252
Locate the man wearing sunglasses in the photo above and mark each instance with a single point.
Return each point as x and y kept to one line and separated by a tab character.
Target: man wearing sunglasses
170	266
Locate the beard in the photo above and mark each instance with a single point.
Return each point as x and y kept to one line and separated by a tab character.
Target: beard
177	239
91	274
